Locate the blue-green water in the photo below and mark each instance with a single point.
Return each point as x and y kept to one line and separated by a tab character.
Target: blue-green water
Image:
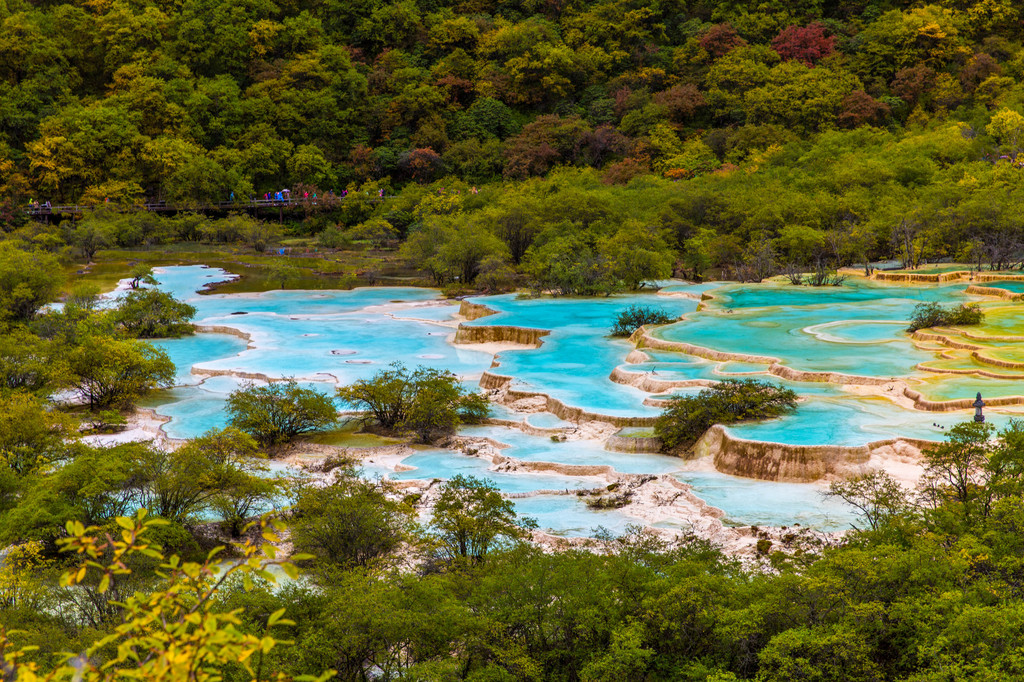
749	502
575	360
815	330
330	338
1016	286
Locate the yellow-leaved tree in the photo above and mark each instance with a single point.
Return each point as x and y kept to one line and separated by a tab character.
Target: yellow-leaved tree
173	633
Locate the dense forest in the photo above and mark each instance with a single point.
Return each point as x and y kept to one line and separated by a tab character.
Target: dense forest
568	147
197	99
738	138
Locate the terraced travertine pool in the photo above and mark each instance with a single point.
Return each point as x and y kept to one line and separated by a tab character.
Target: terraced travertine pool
1015	286
330	338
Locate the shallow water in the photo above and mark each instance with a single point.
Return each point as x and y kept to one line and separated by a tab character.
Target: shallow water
815	331
575	360
193	350
1016	286
578	452
851	421
329	338
747	502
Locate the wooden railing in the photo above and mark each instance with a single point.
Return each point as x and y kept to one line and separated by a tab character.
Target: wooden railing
60	209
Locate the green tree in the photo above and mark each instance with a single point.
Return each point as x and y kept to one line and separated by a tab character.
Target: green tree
569	265
440	404
30	363
258	234
957	473
376	230
687	417
636	316
222	470
142	274
638	254
386	396
280	411
928	315
28	281
426	401
697	253
153	314
471	518
32	436
114	372
91	235
821	654
349	523
283	274
878	497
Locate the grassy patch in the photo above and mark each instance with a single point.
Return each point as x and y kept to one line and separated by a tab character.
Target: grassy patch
309	268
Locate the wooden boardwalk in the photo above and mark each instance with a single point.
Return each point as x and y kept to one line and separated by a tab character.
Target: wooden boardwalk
164	207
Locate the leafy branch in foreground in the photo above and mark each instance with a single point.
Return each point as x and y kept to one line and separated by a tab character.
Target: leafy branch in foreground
174	632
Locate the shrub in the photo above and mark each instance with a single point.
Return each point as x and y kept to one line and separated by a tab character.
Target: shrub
686	417
608	501
636	316
152	314
934	315
426	401
278	412
471	518
28	281
350	523
333	238
111	372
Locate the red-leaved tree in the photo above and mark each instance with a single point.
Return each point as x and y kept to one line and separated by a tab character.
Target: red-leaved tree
805	44
721	39
859	108
545	142
680	101
422	165
912	82
977	70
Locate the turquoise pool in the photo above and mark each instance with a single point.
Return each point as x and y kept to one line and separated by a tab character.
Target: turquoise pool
330	338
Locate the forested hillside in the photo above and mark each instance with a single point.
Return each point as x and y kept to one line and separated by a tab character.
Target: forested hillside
578	147
193	100
566	146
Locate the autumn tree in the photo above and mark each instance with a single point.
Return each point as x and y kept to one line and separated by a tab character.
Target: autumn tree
807	44
720	39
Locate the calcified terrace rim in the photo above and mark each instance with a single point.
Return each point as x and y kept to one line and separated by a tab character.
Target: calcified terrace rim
938	277
642	338
526	336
